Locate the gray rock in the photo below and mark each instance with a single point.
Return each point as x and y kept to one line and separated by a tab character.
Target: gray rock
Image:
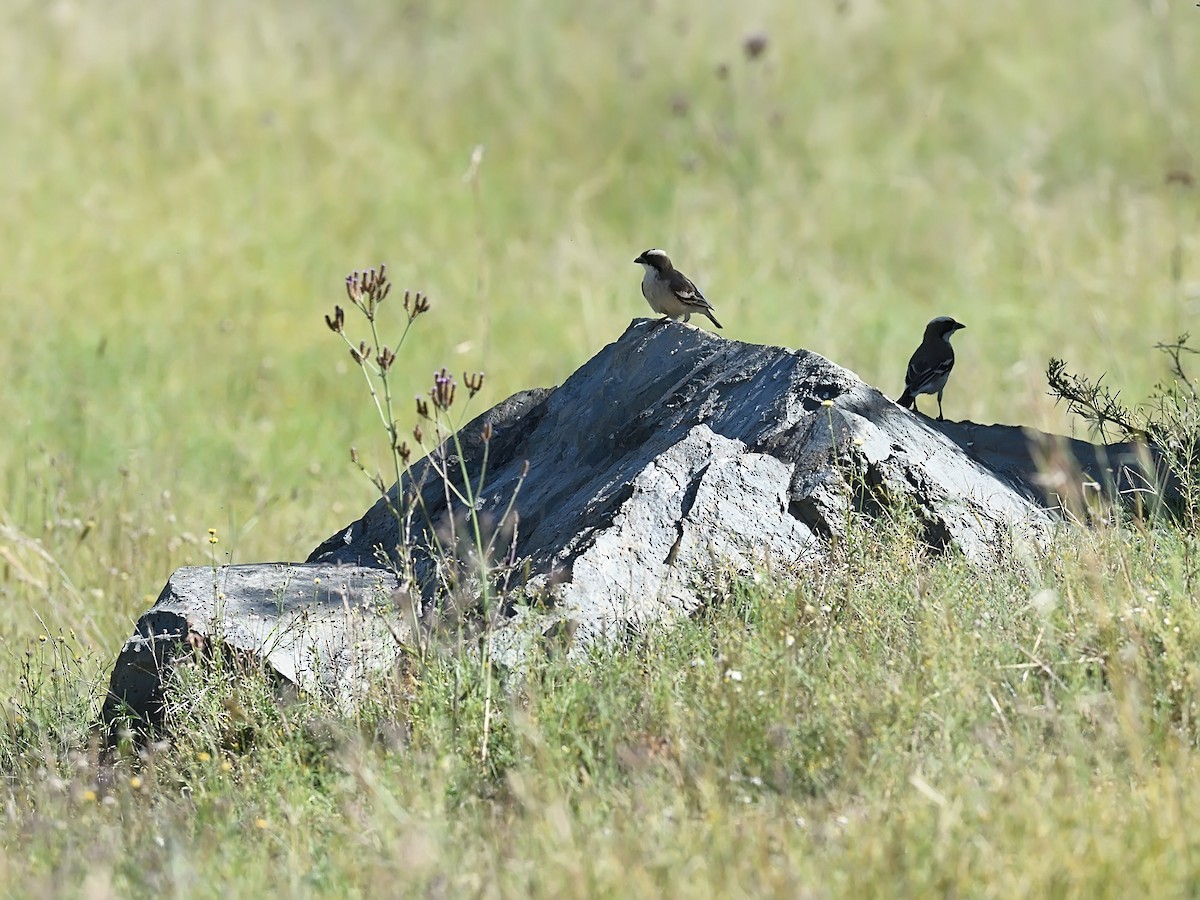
318	627
671	457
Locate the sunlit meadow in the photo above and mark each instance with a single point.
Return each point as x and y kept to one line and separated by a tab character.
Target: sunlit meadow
186	184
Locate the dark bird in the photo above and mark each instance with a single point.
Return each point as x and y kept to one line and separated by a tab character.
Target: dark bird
931	363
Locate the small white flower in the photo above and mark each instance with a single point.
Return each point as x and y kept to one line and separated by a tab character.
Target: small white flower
733	675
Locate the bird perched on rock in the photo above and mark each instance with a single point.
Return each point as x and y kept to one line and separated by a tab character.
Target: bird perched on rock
931	363
669	291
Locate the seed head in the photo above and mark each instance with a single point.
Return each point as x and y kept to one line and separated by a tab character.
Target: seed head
442	392
755	45
336	322
415	304
368	289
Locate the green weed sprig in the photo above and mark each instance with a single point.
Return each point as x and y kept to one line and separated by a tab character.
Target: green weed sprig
463	563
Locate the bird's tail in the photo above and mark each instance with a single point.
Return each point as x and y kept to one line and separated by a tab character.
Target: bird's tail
906	399
712	319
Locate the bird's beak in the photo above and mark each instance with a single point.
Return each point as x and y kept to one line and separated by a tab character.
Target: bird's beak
960	327
640	259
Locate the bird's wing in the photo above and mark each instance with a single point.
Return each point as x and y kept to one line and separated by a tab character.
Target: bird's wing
928	366
688	294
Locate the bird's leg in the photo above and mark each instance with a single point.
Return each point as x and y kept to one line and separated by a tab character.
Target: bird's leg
940	417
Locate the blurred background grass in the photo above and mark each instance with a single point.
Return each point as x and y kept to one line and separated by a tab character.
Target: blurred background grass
183	187
186	184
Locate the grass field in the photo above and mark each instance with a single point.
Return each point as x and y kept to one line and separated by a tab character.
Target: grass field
185	186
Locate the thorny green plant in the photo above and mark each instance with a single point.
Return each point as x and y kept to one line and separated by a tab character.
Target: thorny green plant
1168	422
471	573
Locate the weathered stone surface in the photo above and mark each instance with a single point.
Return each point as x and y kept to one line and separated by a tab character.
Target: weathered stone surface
588	441
316	626
672	454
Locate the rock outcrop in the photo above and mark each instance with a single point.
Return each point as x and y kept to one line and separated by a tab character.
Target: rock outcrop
669	456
